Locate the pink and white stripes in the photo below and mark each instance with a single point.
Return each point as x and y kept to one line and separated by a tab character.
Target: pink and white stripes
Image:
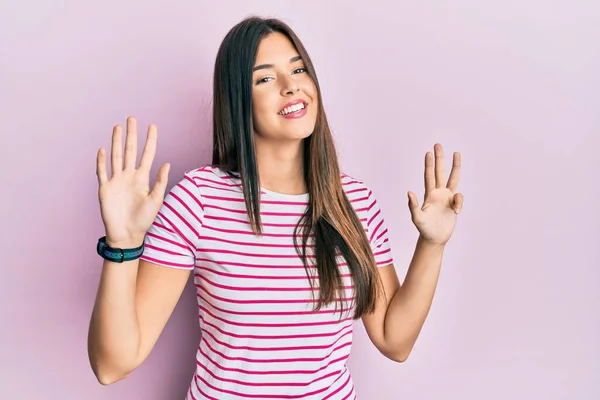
260	337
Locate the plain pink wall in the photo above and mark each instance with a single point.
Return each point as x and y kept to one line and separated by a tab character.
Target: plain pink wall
513	85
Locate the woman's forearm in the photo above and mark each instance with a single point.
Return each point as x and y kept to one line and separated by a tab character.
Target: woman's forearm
113	338
410	305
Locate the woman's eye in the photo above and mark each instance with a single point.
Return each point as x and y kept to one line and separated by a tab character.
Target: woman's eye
269	78
263	80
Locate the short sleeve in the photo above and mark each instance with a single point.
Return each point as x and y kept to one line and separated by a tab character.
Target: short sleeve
171	240
378	233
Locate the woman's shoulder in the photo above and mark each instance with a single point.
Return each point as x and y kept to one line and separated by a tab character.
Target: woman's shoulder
210	179
210	172
354	187
352	182
207	170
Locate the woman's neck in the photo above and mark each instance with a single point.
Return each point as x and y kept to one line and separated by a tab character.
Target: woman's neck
281	167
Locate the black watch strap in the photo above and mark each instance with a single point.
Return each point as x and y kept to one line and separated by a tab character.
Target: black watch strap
118	255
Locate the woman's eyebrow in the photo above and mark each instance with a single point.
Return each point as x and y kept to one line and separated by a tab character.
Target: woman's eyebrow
266	66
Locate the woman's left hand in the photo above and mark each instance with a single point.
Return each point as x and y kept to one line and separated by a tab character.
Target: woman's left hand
436	219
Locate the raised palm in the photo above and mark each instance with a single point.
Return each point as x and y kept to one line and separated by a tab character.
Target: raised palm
436	219
127	204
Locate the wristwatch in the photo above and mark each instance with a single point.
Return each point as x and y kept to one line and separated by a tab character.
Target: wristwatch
118	255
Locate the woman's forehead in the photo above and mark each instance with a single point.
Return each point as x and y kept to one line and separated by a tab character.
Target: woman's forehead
276	49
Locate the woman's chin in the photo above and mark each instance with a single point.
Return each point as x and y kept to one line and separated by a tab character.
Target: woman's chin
287	135
292	136
299	135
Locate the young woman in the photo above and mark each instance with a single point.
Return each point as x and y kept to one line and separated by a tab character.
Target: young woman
285	250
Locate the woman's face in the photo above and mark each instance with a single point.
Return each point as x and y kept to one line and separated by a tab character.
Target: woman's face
284	96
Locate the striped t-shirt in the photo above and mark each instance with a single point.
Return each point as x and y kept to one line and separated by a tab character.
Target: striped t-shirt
260	338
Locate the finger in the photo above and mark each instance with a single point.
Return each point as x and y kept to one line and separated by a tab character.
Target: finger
101	167
131	144
457	202
160	186
440	173
116	153
413	203
429	175
454	173
149	148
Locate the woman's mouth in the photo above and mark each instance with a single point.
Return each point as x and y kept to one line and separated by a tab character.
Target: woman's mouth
296	110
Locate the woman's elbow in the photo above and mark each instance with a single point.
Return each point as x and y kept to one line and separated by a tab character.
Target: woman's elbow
399	355
107	378
107	374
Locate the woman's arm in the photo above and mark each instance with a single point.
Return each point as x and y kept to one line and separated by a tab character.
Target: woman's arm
135	300
398	319
396	323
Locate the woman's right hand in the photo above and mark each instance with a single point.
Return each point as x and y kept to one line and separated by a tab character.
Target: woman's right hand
127	205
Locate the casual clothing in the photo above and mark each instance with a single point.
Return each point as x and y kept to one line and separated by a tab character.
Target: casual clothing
261	338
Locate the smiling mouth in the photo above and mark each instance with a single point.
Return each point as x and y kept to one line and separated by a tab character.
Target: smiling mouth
296	108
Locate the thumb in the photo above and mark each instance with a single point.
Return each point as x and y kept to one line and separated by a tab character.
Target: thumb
413	203
160	186
457	202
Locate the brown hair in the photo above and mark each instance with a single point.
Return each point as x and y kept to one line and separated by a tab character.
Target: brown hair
329	216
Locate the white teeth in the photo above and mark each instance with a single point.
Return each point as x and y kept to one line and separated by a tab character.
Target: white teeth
291	109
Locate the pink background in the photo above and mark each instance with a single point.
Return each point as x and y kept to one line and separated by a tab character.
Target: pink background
513	85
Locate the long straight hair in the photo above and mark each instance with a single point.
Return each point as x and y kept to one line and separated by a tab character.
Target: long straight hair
329	217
